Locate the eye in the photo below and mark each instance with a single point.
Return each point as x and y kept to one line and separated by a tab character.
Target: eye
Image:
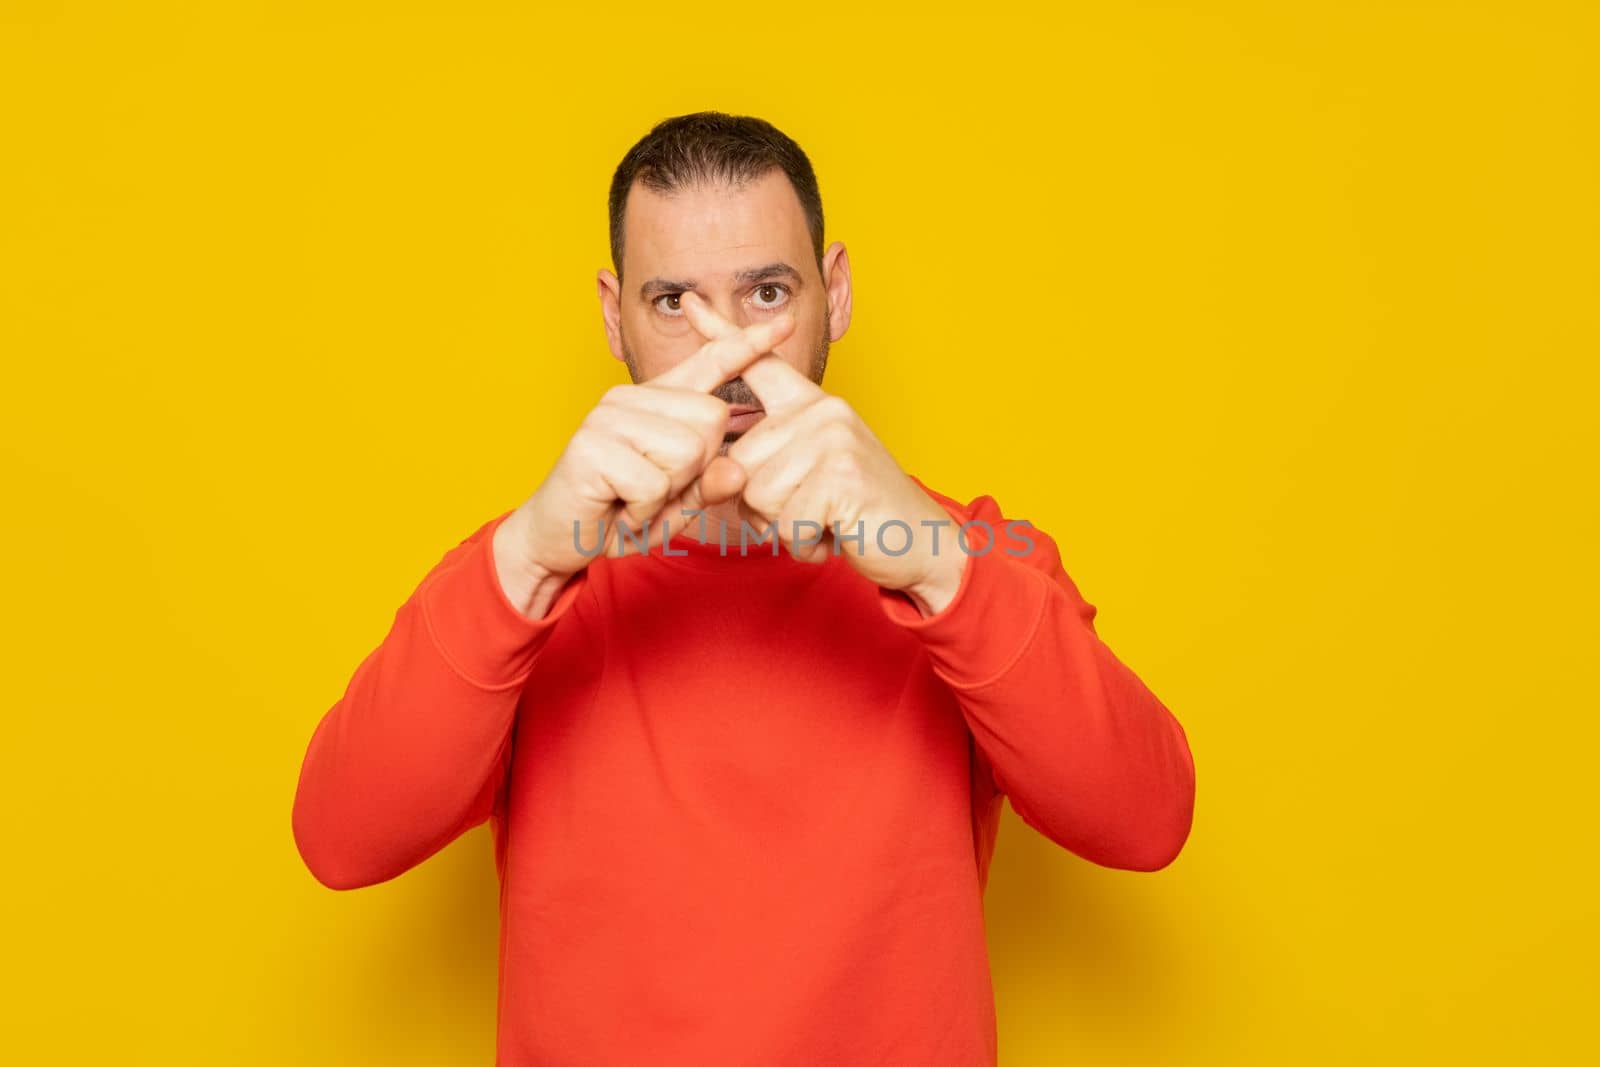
673	306
771	297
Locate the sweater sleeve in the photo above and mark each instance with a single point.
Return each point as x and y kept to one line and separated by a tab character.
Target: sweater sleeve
1086	753
417	750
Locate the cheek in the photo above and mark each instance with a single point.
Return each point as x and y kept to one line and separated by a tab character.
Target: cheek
814	323
658	343
664	328
801	350
663	357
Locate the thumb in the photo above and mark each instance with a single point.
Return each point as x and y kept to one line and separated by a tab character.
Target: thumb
722	479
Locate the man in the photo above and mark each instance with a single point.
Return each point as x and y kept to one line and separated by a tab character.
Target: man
739	696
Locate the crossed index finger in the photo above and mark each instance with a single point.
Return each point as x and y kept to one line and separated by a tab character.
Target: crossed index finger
723	358
777	385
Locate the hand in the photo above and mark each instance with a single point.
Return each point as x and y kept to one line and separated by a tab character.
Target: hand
811	463
643	454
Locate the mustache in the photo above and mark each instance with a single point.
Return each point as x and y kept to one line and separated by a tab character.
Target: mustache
735	391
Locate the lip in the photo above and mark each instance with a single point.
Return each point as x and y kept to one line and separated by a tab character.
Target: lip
741	417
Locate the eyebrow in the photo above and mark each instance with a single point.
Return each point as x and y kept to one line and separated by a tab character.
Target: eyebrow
658	286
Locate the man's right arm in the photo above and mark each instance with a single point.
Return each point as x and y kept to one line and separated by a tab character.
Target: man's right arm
417	750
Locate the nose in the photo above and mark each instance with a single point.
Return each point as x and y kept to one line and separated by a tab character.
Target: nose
729	308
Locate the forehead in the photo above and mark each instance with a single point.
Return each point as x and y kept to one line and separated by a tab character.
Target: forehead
708	230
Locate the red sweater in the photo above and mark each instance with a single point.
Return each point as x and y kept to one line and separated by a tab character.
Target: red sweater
743	808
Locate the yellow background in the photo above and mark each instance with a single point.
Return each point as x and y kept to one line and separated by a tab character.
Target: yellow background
1280	317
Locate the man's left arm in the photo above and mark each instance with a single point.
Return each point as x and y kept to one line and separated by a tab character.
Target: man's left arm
1087	753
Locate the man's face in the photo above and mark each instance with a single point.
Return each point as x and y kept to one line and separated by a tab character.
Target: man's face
748	252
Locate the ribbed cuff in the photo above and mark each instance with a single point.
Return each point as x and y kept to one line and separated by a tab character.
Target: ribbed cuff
477	629
987	625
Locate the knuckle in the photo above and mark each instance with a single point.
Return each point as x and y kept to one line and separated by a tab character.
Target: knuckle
661	485
836	408
584	440
845	468
682	456
837	437
594	427
704	408
652	488
761	498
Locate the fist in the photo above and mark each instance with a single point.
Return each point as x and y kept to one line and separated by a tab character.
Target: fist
643	454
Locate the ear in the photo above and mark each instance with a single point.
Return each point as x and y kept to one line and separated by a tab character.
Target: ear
610	291
836	278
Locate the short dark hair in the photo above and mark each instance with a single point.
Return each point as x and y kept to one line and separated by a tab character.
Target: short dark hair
713	146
